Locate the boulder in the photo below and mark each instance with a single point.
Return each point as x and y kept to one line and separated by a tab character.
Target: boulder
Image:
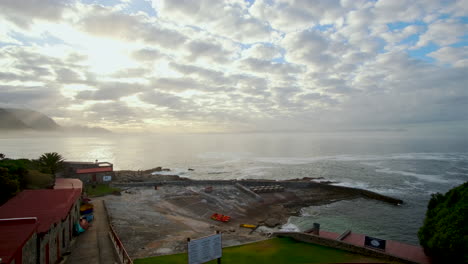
272	222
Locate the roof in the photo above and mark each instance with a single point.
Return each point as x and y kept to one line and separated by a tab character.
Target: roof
94	170
15	233
67	183
49	206
105	163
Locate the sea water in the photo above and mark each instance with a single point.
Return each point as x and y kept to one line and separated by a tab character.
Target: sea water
404	167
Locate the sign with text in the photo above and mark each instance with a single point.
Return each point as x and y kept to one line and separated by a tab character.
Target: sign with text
374	243
106	178
204	249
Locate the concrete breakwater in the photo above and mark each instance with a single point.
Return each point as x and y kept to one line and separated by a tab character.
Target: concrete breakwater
255	183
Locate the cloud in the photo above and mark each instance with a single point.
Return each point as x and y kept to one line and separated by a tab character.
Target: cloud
236	65
110	91
231	18
263	52
164	100
457	57
308	47
105	22
443	33
24	12
32	97
289	16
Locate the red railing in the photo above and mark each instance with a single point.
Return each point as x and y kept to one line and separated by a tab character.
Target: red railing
123	255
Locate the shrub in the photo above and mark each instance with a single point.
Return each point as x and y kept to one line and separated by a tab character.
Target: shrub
444	234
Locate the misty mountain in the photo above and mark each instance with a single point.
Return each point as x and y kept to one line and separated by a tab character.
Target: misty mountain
13	119
23	119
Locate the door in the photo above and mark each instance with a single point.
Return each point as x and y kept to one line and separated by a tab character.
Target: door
58	248
47	253
94	177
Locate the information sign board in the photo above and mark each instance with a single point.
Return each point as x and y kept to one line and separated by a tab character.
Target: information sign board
374	243
106	178
204	249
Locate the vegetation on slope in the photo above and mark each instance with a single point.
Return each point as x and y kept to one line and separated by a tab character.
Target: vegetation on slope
444	233
19	174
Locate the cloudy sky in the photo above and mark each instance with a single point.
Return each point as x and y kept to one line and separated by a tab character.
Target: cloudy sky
236	65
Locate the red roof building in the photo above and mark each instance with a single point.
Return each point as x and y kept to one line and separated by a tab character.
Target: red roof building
49	206
89	172
56	211
14	234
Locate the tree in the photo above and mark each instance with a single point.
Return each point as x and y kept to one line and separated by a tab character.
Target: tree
51	162
9	185
2	156
444	234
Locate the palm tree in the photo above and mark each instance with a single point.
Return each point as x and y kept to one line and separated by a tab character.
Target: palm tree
52	162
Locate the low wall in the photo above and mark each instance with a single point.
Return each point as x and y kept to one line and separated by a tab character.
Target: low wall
308	238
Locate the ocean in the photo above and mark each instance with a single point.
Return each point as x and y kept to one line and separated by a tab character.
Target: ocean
410	168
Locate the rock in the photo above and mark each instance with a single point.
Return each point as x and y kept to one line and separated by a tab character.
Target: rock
191	169
166	169
157	169
272	222
232	230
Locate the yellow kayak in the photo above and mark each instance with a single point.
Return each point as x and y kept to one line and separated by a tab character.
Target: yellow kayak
248	226
86	207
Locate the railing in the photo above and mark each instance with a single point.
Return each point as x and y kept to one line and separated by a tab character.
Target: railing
123	255
124	258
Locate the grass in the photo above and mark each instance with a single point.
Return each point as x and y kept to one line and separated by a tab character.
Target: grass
275	250
100	190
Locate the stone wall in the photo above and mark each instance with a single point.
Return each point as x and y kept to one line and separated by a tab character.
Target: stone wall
29	251
49	238
308	238
54	237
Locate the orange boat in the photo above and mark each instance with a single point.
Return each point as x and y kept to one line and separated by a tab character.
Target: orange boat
220	217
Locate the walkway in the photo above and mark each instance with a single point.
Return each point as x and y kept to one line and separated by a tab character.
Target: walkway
395	248
94	245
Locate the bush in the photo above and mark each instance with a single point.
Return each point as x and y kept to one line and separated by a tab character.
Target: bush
444	234
9	185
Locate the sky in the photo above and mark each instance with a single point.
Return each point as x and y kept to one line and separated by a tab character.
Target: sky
235	65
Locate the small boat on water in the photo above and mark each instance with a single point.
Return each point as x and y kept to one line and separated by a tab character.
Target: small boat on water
220	217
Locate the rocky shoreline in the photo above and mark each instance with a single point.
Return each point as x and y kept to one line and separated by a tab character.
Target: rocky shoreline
156	213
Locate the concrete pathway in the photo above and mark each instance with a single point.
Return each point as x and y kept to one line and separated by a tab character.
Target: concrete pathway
94	245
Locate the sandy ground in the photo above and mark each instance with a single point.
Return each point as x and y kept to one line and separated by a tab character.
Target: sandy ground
158	222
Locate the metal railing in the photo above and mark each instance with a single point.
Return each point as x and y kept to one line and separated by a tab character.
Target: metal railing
121	252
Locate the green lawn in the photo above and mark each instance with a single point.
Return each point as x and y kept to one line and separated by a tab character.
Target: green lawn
99	190
275	250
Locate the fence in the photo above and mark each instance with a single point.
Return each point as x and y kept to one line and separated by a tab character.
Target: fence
119	247
124	258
